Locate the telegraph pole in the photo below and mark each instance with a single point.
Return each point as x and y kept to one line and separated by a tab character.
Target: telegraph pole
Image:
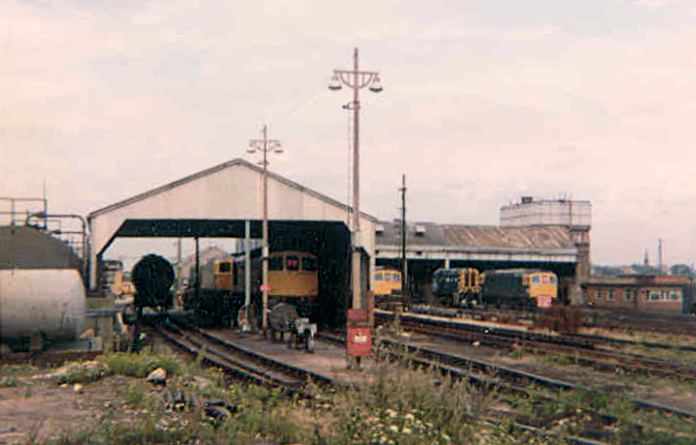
405	294
356	80
264	146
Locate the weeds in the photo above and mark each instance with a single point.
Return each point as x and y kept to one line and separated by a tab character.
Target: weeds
139	365
136	394
9	382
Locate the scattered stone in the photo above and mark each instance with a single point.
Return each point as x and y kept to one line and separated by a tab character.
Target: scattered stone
78	387
5	349
158	376
476	344
218	411
89	332
88	371
177	400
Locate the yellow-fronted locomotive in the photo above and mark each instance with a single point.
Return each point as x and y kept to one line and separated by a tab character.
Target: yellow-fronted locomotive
387	286
292	277
522	288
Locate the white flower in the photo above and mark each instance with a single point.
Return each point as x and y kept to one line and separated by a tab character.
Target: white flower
409	416
406	430
394	428
391	413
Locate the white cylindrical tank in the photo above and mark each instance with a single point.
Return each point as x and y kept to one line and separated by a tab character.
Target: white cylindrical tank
41	301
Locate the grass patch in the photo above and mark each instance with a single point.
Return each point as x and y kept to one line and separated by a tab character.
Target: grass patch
9	382
140	365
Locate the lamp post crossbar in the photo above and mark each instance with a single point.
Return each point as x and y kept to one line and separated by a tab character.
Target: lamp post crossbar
356	80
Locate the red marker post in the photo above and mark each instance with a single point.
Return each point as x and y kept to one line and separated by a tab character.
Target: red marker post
359	341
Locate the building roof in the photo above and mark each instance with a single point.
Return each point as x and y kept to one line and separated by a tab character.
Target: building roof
477	236
215	169
639	280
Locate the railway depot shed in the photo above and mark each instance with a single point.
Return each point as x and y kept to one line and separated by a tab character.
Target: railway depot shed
430	246
217	202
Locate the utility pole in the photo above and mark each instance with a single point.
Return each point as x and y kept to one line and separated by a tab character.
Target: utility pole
356	80
405	294
264	146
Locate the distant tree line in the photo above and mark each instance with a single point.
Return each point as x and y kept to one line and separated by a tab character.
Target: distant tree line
641	269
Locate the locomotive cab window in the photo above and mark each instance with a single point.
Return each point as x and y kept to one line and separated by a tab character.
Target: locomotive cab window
396	278
225	266
275	263
292	263
379	277
309	263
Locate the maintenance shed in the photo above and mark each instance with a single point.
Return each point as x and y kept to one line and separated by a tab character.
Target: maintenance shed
217	202
430	246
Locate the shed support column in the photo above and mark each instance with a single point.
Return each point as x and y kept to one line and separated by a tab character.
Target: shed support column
447	263
92	271
247	273
198	271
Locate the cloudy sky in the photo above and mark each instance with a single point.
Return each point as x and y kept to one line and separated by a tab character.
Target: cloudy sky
484	101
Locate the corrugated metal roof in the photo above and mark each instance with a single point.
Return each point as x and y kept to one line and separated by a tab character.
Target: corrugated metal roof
479	237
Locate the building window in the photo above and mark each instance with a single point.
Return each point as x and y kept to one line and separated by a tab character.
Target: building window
610	295
675	295
598	295
629	295
654	296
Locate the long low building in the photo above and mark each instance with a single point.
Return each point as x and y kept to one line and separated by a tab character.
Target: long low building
430	246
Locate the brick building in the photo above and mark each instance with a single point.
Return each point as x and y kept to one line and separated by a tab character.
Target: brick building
643	293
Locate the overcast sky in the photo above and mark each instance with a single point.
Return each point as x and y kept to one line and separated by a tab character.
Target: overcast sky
484	101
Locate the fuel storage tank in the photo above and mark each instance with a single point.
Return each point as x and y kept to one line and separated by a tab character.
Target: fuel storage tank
41	288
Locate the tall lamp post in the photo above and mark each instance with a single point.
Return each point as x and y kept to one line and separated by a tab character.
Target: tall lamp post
265	146
356	80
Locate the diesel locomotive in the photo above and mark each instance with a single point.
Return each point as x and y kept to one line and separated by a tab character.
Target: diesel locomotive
292	277
518	288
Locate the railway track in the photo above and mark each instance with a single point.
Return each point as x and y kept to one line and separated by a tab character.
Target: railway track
581	352
259	368
240	362
505	315
680	324
510	381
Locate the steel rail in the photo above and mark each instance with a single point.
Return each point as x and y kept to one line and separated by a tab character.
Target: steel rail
599	358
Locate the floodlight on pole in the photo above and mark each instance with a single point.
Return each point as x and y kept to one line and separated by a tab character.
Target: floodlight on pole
265	146
356	79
